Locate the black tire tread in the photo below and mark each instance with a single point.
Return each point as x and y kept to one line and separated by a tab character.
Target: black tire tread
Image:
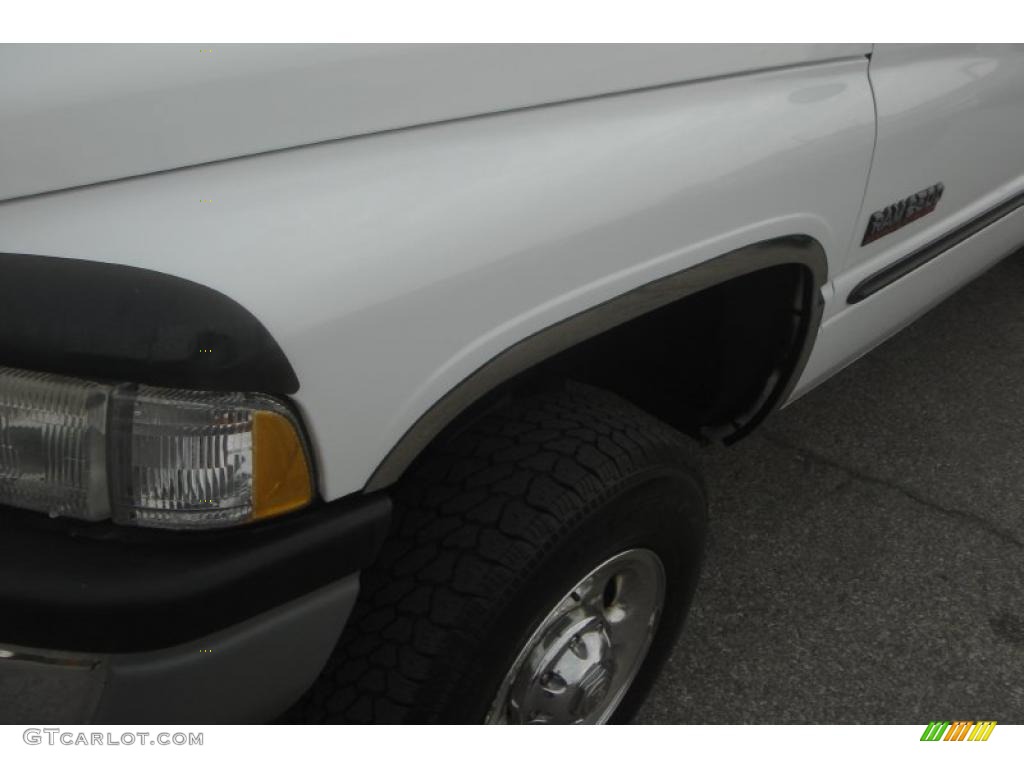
471	519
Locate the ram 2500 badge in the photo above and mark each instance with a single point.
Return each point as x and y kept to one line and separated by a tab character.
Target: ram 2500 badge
368	381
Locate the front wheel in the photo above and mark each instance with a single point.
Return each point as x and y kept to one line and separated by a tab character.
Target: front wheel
540	569
583	657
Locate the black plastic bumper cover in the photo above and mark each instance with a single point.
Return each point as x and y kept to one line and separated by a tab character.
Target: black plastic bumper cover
104	588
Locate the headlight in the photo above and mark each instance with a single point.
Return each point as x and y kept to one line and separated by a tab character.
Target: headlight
147	456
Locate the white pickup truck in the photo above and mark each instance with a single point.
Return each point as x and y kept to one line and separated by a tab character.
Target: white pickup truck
366	383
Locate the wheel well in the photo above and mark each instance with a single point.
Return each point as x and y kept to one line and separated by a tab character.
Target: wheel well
707	364
710	350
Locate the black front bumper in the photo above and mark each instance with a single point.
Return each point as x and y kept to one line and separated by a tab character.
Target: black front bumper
109	589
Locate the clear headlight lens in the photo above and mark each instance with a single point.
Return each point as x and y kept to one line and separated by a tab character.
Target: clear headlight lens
148	456
52	444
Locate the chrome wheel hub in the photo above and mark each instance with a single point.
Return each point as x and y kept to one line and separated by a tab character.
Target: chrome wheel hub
581	659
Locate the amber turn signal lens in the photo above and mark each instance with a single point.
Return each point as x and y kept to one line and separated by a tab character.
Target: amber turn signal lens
281	479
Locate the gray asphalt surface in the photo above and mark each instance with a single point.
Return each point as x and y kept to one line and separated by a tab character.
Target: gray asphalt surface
866	557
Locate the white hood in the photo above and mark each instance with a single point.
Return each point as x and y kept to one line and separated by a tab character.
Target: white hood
72	115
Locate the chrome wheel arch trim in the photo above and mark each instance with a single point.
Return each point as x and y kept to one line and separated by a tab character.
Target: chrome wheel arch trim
801	250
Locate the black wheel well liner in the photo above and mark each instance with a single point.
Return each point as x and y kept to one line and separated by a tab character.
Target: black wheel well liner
794	267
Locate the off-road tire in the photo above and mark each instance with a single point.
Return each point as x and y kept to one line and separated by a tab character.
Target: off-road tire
491	529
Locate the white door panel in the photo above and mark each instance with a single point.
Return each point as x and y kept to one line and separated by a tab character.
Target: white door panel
851	334
950	115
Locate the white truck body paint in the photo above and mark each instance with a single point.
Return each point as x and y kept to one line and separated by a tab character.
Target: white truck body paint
404	220
79	114
389	267
397	247
857	330
946	113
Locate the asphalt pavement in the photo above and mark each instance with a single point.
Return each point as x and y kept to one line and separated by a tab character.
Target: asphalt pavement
866	556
